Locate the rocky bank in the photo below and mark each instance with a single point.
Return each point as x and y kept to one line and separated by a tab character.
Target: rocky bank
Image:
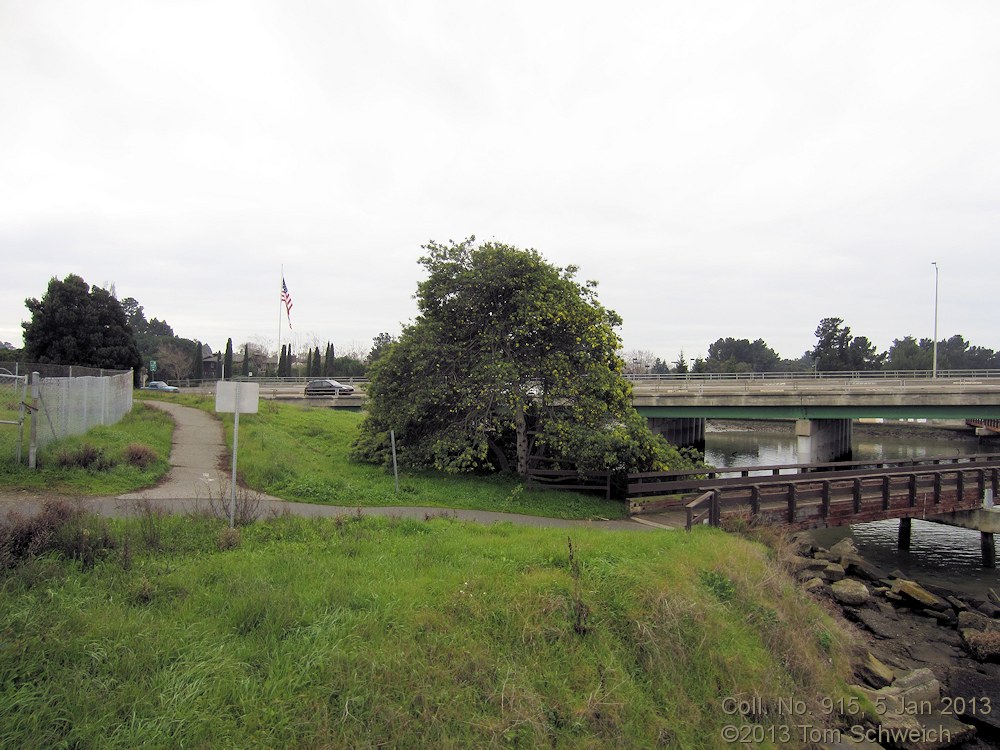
932	662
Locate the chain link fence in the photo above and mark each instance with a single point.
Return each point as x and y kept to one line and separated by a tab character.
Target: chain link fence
72	405
13	395
68	400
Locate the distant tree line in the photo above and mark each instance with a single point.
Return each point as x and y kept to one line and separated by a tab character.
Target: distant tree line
837	349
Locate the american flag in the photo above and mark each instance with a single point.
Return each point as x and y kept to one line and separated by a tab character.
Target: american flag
287	299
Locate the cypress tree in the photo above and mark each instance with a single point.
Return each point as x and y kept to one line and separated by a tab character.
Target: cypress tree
245	369
282	358
198	366
317	368
309	363
228	361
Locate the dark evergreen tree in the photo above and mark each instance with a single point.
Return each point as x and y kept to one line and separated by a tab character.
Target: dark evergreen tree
282	359
75	324
245	367
198	362
328	361
309	363
227	362
317	365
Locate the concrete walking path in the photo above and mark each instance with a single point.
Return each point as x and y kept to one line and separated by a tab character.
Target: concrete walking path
198	473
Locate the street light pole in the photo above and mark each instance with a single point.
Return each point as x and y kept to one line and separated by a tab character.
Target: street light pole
934	364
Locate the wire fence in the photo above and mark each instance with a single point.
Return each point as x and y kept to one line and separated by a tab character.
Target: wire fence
13	394
68	400
72	405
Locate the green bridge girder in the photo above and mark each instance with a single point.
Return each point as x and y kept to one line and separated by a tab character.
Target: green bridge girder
915	411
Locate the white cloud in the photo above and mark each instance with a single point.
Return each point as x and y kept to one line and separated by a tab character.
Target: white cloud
721	169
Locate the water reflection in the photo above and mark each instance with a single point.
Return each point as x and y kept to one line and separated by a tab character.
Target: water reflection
938	554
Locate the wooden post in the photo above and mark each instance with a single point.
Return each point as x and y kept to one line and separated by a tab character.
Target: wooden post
937	486
913	490
988	548
857	495
792	501
825	504
885	493
960	485
755	499
903	541
716	511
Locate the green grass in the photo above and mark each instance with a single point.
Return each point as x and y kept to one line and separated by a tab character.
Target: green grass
301	454
60	470
367	632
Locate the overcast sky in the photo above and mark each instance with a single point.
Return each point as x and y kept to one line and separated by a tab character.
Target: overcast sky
720	168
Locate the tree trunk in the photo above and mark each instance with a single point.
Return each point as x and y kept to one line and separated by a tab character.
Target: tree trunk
500	456
522	440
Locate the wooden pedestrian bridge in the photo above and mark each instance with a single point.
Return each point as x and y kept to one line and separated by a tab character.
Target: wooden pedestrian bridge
800	496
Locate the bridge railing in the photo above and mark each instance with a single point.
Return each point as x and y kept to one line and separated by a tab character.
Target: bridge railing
818	375
842	498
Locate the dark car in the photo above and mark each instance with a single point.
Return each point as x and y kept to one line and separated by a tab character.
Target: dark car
328	388
159	385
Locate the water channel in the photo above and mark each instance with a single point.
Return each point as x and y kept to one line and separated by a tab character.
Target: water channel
938	554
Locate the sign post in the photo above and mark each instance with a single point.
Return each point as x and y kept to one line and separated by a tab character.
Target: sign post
236	397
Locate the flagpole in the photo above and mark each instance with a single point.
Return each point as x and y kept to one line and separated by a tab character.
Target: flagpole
280	303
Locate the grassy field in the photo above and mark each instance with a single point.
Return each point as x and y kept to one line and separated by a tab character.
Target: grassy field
169	632
108	460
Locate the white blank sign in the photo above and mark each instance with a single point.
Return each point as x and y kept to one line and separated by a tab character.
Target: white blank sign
225	396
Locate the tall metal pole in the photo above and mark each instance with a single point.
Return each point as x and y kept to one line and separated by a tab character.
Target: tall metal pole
281	302
934	364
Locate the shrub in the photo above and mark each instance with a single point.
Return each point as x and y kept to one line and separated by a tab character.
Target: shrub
139	455
57	527
85	457
229	538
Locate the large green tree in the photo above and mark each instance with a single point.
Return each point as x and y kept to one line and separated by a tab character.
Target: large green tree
506	348
741	355
836	349
76	324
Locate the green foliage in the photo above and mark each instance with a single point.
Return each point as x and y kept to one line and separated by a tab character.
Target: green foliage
75	324
954	353
198	361
505	344
837	350
380	345
227	362
741	355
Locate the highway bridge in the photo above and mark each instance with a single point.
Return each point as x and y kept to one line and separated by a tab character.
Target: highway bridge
823	404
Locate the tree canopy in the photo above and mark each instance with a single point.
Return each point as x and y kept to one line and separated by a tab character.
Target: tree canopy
508	354
76	324
741	355
836	349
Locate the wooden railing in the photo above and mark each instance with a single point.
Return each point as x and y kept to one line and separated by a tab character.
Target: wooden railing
839	498
989	424
557	479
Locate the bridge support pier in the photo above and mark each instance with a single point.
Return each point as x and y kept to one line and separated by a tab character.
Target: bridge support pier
822	440
680	431
988	548
905	531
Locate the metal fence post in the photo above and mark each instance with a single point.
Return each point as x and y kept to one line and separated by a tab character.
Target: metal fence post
33	428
